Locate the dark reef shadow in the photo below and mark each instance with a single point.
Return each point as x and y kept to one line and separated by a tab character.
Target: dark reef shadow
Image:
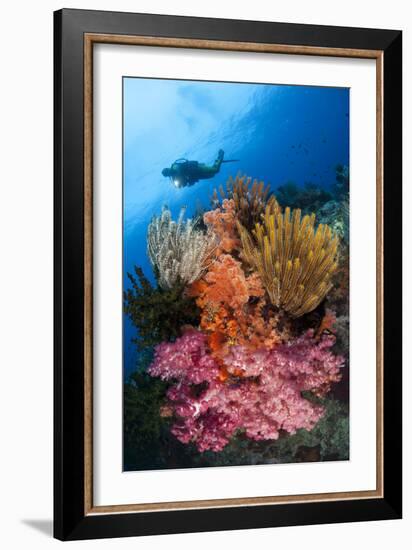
45	526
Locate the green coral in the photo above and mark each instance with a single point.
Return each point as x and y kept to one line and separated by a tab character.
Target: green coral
157	313
143	427
148	443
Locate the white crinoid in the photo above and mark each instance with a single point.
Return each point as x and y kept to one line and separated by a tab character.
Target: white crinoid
178	250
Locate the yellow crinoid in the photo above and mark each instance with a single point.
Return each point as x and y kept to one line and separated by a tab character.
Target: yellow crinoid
294	260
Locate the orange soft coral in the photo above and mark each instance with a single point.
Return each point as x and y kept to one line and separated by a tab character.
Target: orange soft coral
222	221
228	285
225	284
327	323
234	310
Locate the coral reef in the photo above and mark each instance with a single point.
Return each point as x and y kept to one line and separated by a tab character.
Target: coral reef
262	396
327	323
226	283
341	186
178	251
222	223
328	440
232	308
148	441
143	427
243	341
157	314
338	297
336	215
308	198
341	328
186	360
249	199
294	261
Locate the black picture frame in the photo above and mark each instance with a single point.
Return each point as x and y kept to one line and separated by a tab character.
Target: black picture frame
71	522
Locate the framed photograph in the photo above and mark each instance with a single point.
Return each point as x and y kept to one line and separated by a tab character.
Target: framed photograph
227	274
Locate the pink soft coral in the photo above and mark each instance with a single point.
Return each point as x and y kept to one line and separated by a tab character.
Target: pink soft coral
186	359
261	396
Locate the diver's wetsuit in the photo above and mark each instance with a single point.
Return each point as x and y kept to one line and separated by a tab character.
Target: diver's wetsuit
185	172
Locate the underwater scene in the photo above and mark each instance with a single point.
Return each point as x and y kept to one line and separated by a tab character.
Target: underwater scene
235	274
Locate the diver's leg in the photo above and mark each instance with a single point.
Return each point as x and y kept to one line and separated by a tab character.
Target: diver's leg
218	162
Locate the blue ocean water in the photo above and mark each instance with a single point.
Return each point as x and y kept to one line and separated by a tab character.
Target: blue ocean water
279	133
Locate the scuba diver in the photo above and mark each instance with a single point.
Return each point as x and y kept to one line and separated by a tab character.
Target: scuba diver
185	172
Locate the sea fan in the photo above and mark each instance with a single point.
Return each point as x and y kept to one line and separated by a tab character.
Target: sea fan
249	198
